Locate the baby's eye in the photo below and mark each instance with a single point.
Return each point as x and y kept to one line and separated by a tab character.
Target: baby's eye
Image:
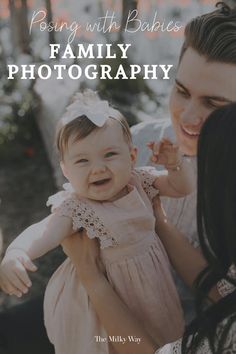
82	161
111	153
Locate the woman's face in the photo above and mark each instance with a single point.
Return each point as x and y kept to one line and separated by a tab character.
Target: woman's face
200	88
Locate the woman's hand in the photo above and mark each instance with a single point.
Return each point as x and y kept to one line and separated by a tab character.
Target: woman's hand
84	254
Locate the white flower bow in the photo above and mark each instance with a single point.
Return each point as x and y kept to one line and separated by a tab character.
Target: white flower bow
90	105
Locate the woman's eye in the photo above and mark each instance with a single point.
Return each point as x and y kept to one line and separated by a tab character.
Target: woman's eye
110	154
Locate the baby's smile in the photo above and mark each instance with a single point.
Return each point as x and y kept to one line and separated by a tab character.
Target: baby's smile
101	182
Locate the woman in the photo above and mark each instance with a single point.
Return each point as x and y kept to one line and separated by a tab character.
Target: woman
214	328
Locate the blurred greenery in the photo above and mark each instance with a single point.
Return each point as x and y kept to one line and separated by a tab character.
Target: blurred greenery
124	93
17	125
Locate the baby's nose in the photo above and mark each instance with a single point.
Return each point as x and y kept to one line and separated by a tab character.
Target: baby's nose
99	167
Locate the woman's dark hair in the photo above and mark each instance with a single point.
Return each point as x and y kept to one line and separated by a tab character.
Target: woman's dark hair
213	35
216	220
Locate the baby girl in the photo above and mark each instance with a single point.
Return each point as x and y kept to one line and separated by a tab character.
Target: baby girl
111	200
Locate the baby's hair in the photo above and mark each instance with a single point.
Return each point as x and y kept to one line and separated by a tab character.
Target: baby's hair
80	127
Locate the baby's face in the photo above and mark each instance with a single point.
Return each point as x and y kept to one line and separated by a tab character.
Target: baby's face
99	166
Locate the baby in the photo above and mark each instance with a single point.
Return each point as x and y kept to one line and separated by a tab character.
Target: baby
112	201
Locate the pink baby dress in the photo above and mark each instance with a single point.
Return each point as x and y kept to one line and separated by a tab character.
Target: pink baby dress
136	265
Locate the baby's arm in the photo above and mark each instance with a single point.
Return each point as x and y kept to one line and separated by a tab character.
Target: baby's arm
32	243
179	179
42	237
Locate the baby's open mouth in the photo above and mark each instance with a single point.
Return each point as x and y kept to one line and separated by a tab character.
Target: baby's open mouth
101	182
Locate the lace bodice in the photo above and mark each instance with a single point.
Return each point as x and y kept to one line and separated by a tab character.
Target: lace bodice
204	348
94	216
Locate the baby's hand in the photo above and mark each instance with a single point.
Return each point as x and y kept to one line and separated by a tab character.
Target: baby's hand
165	153
14	279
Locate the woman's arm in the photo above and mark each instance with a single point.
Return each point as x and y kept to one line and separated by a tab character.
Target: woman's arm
186	260
112	312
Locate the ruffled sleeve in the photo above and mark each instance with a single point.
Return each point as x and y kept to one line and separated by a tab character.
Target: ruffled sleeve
148	175
56	200
66	203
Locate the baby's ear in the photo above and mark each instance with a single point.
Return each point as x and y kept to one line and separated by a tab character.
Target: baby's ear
133	154
63	168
